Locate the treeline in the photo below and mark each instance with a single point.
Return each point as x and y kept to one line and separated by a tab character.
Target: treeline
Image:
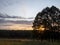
30	34
15	34
47	35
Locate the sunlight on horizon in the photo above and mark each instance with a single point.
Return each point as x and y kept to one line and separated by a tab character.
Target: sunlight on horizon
17	27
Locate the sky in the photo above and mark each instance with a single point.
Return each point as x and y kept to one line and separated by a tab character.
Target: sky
25	8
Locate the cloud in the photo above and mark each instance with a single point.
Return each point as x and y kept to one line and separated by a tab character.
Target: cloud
25	8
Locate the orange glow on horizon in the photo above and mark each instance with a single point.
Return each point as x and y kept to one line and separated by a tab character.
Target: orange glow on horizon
41	28
17	27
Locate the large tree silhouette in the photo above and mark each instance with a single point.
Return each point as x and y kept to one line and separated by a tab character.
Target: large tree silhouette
49	20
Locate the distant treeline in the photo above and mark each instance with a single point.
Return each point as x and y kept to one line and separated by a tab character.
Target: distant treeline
30	34
15	34
47	35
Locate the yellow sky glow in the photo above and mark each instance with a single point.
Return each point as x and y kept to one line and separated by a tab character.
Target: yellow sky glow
17	27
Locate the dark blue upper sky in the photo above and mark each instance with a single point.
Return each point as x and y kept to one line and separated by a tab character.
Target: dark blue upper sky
26	8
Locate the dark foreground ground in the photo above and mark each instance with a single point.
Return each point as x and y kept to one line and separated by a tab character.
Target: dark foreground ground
26	42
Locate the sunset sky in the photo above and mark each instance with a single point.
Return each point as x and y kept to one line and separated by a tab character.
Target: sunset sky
25	8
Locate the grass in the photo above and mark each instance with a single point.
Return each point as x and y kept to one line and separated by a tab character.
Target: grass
26	42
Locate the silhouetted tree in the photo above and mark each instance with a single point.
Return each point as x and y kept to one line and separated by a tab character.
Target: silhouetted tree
50	19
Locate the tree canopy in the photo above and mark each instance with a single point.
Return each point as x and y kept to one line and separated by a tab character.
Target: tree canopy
47	19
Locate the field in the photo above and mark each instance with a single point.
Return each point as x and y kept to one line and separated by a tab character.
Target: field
26	42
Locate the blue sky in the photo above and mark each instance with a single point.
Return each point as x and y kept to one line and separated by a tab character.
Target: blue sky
26	8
